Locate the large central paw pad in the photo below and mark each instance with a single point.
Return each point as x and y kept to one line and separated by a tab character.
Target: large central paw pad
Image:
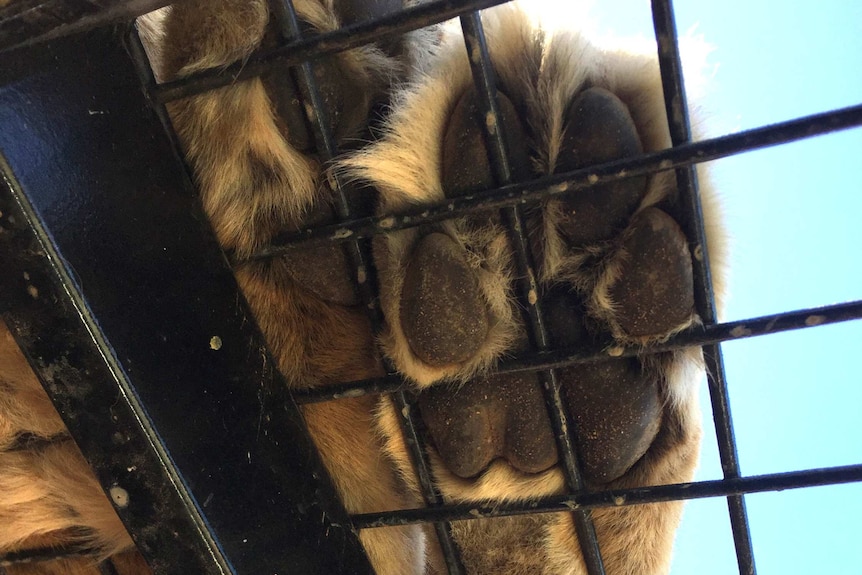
489	418
616	410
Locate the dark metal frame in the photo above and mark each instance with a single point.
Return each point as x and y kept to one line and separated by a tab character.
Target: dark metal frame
39	243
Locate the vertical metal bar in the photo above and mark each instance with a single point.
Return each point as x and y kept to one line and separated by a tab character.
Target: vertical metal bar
680	131
288	25
364	277
483	75
416	444
148	83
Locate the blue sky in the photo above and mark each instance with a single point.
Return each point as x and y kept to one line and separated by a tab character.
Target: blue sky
793	216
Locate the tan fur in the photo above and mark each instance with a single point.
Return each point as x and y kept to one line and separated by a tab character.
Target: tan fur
254	184
65	566
128	563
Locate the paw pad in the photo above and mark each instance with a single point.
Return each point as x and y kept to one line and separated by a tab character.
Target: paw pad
614	269
617	411
499	417
654	294
443	314
599	128
465	166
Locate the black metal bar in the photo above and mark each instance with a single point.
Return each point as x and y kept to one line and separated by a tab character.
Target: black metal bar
304	49
680	131
553	359
148	83
25	22
416	445
285	17
513	218
521	193
364	278
138	331
616	498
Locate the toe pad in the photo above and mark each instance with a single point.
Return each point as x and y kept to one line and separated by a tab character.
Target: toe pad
599	129
443	313
654	295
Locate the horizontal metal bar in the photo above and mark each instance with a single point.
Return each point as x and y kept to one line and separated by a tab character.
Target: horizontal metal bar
26	22
513	194
618	498
304	49
699	336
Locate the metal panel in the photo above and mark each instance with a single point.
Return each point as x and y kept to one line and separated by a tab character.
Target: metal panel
120	297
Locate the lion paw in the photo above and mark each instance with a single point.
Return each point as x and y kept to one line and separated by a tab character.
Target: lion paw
614	265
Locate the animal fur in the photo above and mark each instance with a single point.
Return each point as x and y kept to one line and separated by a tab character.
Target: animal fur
254	182
50	496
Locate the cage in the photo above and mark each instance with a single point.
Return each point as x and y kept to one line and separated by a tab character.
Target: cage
138	334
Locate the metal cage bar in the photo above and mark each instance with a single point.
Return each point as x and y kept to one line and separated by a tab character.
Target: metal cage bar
558	358
26	22
528	290
680	132
638	496
566	182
